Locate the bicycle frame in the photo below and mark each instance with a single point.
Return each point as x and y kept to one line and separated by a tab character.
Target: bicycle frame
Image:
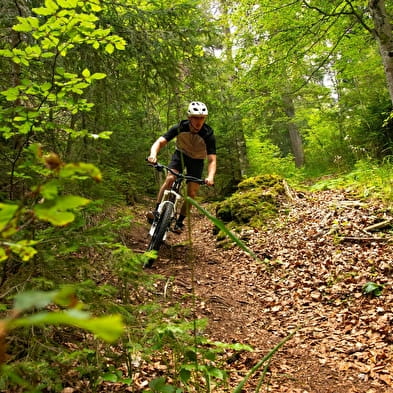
168	207
170	196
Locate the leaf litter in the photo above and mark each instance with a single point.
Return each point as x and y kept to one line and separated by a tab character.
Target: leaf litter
317	257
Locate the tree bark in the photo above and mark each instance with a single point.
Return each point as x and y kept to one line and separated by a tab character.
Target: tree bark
239	140
384	36
294	134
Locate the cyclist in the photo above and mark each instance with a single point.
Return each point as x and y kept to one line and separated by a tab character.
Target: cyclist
195	141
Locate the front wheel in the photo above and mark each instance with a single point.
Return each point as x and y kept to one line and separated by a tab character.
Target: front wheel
162	226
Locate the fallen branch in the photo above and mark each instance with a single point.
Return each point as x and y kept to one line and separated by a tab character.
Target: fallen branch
348	203
365	239
288	191
379	225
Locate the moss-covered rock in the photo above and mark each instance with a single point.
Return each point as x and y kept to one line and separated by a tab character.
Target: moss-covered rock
256	199
263	181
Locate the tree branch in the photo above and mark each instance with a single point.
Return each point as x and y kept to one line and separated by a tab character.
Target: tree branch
312	7
321	64
360	19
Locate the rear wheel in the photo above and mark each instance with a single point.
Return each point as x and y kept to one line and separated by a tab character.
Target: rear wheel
162	226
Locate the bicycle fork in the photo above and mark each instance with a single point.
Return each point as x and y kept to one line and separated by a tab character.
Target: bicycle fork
172	197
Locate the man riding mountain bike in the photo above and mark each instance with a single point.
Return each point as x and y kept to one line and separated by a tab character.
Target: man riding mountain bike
195	142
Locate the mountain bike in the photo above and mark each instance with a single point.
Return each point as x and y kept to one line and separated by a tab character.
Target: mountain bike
167	210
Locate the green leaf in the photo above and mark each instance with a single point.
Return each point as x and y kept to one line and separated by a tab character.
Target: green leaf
158	385
67	3
42	11
56	211
210	355
81	168
216	373
109	328
185	375
32	299
120	45
6	53
102	135
86	73
46	86
7	212
24	128
110	377
98	75
23	26
50	189
93	5
51	5
47	55
11	94
36	150
65	296
3	254
109	48
190	355
6	131
23	249
34	23
371	288
235	346
66	202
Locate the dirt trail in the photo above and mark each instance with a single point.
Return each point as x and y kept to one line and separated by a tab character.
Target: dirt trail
314	262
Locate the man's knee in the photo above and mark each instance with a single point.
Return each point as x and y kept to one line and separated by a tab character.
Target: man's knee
169	181
192	190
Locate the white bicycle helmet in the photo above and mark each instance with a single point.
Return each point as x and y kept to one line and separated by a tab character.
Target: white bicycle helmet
197	108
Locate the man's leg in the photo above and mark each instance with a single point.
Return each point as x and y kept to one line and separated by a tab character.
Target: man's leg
165	186
192	190
152	215
194	168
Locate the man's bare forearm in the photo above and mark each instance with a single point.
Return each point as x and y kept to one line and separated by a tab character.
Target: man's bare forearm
155	149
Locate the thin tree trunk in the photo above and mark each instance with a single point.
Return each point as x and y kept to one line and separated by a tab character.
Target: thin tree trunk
242	154
384	36
294	134
239	140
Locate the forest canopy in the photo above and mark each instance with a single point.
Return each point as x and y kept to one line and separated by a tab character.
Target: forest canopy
292	84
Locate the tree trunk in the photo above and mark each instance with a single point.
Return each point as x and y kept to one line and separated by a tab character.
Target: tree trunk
384	36
294	134
241	149
239	140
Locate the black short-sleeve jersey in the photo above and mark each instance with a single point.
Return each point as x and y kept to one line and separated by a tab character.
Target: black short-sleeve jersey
195	145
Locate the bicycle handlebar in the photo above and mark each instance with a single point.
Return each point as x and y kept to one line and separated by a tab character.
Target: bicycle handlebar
160	167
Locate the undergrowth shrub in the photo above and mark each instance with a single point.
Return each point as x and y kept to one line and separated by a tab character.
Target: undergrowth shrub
265	158
367	179
164	343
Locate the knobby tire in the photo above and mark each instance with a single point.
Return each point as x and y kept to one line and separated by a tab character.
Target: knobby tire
162	226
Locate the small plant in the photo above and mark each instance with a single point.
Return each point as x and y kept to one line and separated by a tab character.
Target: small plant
373	289
159	385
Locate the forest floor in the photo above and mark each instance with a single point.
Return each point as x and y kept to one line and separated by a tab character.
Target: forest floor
314	260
